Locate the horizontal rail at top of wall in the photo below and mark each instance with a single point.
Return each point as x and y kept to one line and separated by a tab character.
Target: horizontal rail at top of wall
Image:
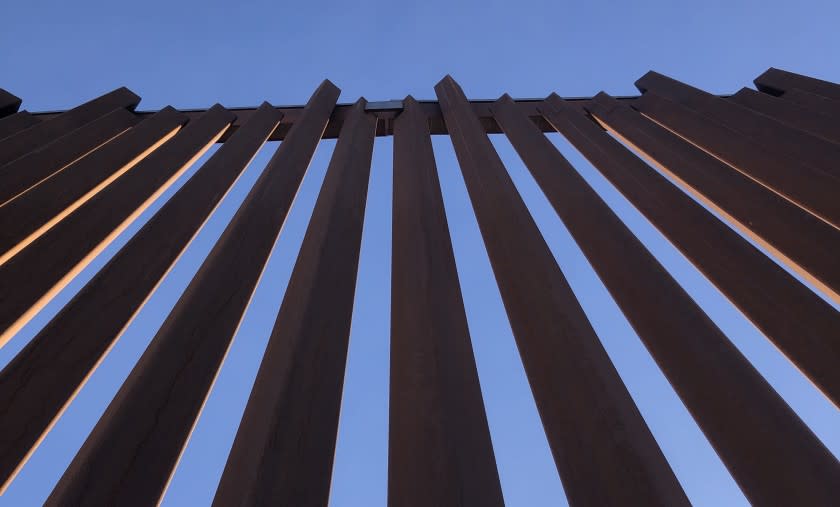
385	111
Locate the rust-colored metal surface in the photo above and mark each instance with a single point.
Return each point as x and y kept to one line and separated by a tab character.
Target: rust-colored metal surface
812	101
25	173
708	373
762	164
9	103
58	126
798	239
283	451
45	376
35	211
439	449
603	450
14	123
810	188
385	112
29	279
779	82
798	321
131	453
816	123
776	138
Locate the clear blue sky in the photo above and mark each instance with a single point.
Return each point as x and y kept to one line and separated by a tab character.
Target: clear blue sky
189	54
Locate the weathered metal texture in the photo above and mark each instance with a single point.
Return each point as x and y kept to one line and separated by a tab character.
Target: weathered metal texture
770	452
9	103
603	449
34	212
764	162
774	137
816	123
385	112
45	376
801	324
14	123
778	82
131	453
439	449
29	279
810	188
283	451
60	125
385	117
800	240
25	173
812	101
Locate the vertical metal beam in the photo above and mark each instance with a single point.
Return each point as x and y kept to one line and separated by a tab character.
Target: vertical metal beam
283	451
28	171
33	213
14	123
812	101
602	447
42	380
800	240
771	453
815	123
439	449
776	82
50	130
796	320
134	448
810	188
775	137
30	279
9	104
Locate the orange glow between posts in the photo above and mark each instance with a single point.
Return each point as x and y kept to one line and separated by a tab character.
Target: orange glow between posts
24	319
47	297
65	166
738	197
79	202
802	205
743	228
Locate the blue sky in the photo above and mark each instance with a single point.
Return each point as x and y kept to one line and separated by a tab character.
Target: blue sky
191	54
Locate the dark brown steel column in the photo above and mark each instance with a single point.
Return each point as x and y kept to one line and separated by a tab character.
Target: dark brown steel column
796	320
810	188
30	279
602	447
130	455
9	103
771	453
283	451
48	131
812	101
775	137
777	82
31	214
14	123
800	240
44	377
26	172
816	123
439	449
